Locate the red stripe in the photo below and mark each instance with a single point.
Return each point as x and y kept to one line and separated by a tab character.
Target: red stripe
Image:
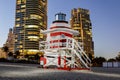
59	27
62	40
60	33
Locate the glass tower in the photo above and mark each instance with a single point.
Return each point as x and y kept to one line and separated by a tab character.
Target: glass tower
80	21
30	20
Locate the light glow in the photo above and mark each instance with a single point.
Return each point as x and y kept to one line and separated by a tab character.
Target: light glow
35	37
32	26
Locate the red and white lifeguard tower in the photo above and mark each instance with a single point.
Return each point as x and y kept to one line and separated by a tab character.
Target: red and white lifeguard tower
60	48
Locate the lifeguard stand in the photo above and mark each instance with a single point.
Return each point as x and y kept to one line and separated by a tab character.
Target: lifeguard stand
60	48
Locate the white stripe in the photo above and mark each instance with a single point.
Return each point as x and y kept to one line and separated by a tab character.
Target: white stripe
61	29
60	24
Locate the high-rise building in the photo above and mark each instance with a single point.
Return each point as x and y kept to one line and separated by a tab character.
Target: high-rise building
80	21
10	41
30	20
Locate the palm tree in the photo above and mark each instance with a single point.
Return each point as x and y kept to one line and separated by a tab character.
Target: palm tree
97	61
17	53
118	57
111	60
5	49
10	54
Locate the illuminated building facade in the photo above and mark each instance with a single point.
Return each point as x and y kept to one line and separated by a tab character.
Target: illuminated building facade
80	21
30	20
2	53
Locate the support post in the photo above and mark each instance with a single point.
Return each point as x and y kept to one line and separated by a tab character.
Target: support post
59	61
65	62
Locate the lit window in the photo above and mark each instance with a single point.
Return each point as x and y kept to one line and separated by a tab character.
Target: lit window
18	1
32	50
16	40
25	18
33	37
17	25
32	26
18	11
23	6
21	31
17	19
41	23
21	42
23	1
34	16
22	10
33	33
20	46
41	35
20	50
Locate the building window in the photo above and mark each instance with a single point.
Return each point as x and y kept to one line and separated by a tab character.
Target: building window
17	25
22	10
18	1
17	19
33	33
34	16
18	11
23	6
23	1
32	26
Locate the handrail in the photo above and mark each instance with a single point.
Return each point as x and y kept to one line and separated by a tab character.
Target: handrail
82	51
70	44
79	50
81	59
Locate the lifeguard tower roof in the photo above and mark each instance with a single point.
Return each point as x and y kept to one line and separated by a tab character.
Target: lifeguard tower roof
60	17
60	24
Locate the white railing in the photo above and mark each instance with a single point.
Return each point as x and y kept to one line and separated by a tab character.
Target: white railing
82	54
46	45
70	44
